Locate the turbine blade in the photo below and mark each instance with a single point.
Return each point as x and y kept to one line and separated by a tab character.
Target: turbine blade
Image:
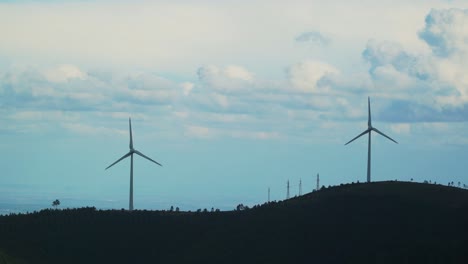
369	120
126	155
130	128
141	154
367	131
376	130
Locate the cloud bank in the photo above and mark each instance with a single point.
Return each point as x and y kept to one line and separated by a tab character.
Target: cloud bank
235	98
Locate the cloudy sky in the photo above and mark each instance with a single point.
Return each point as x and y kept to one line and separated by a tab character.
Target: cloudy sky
231	97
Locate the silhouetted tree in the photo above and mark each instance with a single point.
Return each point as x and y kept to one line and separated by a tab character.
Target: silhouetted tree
56	203
172	209
240	207
177	209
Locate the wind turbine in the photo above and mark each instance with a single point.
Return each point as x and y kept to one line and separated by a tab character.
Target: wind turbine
130	153
370	128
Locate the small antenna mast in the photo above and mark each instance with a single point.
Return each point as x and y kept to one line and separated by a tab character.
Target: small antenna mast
268	194
300	187
318	184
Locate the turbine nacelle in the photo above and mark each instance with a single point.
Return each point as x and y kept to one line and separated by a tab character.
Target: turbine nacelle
370	127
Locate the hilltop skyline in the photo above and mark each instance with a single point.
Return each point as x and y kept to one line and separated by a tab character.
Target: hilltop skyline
232	97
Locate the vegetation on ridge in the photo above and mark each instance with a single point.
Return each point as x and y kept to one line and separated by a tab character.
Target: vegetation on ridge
384	222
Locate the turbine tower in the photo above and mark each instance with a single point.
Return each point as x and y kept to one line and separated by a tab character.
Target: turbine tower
300	187
318	186
268	194
130	153
370	128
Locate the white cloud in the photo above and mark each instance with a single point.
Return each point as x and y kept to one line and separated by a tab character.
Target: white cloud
436	126
234	89
232	78
452	78
446	32
162	96
305	76
221	100
63	73
199	132
136	33
401	128
45	116
314	37
217	118
187	87
181	114
122	115
387	77
72	89
237	72
436	79
384	52
81	128
149	81
206	133
261	135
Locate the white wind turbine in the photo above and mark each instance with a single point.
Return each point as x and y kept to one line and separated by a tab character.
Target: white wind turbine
369	130
130	153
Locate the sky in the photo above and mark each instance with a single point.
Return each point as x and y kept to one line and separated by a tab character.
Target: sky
232	97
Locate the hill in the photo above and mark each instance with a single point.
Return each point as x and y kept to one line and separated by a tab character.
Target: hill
383	222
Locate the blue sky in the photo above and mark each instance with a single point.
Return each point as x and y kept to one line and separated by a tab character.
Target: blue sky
231	97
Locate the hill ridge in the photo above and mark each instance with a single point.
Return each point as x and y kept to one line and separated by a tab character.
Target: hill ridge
381	222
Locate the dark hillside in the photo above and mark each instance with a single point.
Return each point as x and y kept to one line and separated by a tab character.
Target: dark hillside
385	222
